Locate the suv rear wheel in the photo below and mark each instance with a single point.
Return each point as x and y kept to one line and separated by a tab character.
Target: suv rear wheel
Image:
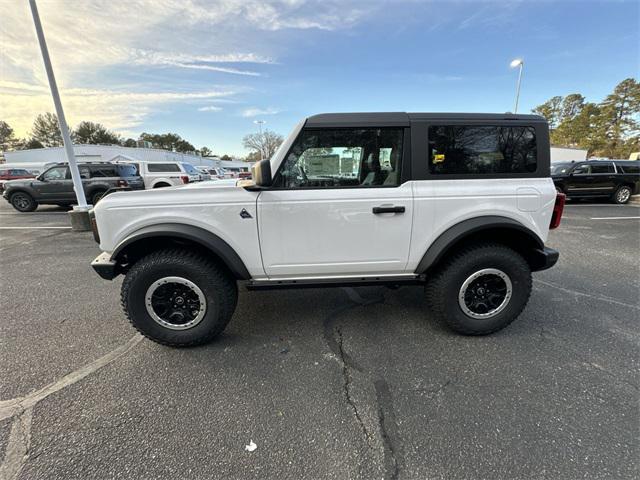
622	195
481	289
23	202
178	298
96	196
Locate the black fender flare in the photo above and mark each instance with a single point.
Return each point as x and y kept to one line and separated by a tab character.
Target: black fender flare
207	239
460	230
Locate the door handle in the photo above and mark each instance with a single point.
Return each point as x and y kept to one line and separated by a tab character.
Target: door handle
391	209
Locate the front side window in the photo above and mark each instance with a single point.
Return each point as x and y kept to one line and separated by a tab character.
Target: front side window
344	157
584	169
19	172
481	150
56	173
163	167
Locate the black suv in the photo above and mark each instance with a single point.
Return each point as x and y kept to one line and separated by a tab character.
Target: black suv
616	179
55	187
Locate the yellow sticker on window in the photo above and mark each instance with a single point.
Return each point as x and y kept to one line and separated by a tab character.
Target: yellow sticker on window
438	158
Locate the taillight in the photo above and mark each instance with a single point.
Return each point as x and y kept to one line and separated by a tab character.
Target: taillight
122	183
558	208
184	179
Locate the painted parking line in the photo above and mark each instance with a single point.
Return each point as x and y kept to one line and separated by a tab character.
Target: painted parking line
33	213
33	228
614	218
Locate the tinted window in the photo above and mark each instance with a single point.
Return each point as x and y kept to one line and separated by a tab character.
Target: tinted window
629	168
163	167
101	171
584	169
560	169
56	173
602	168
343	158
468	149
19	172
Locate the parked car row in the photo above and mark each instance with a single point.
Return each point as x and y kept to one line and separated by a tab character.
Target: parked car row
25	191
615	179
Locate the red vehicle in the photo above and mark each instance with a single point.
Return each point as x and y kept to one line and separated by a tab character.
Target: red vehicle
13	174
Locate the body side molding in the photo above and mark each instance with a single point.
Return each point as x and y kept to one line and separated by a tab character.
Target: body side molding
467	227
199	235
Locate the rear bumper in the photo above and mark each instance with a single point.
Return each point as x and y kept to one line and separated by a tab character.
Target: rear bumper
105	267
544	259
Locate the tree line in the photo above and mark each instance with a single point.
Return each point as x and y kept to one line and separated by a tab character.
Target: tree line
610	128
45	132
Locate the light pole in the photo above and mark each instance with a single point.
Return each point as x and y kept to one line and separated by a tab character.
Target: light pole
64	129
518	62
260	123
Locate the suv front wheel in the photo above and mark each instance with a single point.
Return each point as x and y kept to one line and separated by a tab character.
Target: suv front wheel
23	202
481	289
178	298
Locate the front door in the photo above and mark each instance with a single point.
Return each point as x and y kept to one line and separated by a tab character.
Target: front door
336	207
54	184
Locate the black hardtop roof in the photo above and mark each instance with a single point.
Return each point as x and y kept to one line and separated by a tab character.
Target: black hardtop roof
404	118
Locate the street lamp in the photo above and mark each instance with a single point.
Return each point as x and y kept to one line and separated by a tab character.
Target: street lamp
518	62
79	215
260	123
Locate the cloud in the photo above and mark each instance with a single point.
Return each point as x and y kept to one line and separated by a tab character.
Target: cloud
254	112
109	56
210	108
123	111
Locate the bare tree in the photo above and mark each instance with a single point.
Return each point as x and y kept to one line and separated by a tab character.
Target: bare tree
264	144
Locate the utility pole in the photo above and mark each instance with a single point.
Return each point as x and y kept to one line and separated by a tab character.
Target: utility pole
260	123
82	208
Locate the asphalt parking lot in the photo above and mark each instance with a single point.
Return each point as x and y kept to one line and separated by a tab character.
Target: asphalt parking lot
332	383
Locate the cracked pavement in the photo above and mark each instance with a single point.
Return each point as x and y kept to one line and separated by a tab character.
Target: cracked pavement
328	383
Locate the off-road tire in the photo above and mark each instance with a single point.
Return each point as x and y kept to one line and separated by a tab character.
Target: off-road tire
622	195
23	202
219	289
444	287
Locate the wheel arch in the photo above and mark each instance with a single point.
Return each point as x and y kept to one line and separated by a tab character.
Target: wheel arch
494	229
166	235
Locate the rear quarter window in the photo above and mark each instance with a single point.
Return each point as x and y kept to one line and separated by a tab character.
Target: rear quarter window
163	167
482	150
629	168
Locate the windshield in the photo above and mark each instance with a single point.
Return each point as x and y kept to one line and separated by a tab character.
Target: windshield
190	168
560	168
127	170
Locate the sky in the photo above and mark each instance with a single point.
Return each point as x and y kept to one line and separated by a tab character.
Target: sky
208	69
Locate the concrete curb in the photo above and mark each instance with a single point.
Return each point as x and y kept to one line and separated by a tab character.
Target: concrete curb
635	200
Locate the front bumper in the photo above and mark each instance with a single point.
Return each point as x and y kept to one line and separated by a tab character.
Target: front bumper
105	267
544	259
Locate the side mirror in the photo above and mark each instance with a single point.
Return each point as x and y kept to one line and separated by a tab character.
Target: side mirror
40	178
261	173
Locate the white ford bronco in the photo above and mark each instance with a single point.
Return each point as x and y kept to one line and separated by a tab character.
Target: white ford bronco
461	203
